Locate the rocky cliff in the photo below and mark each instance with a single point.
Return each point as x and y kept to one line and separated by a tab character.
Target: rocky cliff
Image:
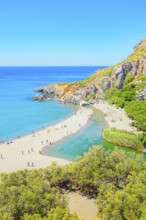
95	87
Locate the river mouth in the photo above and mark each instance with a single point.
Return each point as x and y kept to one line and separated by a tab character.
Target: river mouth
75	145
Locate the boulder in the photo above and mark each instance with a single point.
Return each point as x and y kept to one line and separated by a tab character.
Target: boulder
119	83
135	68
141	95
84	103
106	86
127	67
39	98
118	71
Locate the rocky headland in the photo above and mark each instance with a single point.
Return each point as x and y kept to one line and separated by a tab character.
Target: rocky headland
94	88
120	84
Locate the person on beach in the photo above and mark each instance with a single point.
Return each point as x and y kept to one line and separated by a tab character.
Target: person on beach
32	164
32	149
28	164
22	152
42	142
40	152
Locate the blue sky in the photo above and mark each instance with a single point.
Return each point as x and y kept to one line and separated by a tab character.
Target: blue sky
69	32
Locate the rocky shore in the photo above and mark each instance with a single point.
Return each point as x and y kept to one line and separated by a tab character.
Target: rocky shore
93	89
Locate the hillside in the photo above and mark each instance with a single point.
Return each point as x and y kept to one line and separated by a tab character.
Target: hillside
123	85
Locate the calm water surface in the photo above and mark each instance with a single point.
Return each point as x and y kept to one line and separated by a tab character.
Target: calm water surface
18	113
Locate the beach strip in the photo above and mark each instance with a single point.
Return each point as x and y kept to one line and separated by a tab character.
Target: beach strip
26	152
115	117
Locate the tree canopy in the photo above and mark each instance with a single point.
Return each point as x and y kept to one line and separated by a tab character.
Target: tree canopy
117	180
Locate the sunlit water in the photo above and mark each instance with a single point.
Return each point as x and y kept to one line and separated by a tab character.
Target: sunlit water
20	115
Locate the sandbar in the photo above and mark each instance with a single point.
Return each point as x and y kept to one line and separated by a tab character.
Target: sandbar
26	152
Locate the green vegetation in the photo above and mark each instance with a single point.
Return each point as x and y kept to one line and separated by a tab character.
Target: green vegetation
117	180
137	111
126	98
64	83
97	75
90	96
31	195
120	97
124	138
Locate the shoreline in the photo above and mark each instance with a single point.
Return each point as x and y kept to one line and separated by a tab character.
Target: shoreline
13	138
25	152
115	117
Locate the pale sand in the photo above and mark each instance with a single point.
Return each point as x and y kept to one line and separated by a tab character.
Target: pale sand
115	117
84	208
17	154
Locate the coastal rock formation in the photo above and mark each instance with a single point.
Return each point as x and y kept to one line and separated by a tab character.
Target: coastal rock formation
47	92
120	73
94	88
107	86
39	98
141	95
84	92
72	99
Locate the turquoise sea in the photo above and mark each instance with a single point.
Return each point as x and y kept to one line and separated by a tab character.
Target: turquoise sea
20	115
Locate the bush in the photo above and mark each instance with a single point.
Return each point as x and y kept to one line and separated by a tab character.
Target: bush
123	138
137	111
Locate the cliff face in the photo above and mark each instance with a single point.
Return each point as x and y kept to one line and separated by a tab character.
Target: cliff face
95	87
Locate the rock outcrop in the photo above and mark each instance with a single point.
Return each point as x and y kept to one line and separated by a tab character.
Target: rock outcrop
95	87
86	91
141	95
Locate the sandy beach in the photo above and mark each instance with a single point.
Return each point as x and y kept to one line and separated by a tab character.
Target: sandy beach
115	117
25	152
77	204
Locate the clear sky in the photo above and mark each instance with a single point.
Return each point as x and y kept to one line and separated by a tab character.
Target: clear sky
69	32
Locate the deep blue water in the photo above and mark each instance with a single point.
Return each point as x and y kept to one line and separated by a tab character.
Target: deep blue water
18	113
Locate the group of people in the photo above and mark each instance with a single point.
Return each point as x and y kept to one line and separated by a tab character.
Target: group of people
47	142
30	164
29	151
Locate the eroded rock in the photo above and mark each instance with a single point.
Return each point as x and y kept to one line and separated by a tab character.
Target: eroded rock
141	95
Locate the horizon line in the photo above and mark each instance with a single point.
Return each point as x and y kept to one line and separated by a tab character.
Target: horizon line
61	66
